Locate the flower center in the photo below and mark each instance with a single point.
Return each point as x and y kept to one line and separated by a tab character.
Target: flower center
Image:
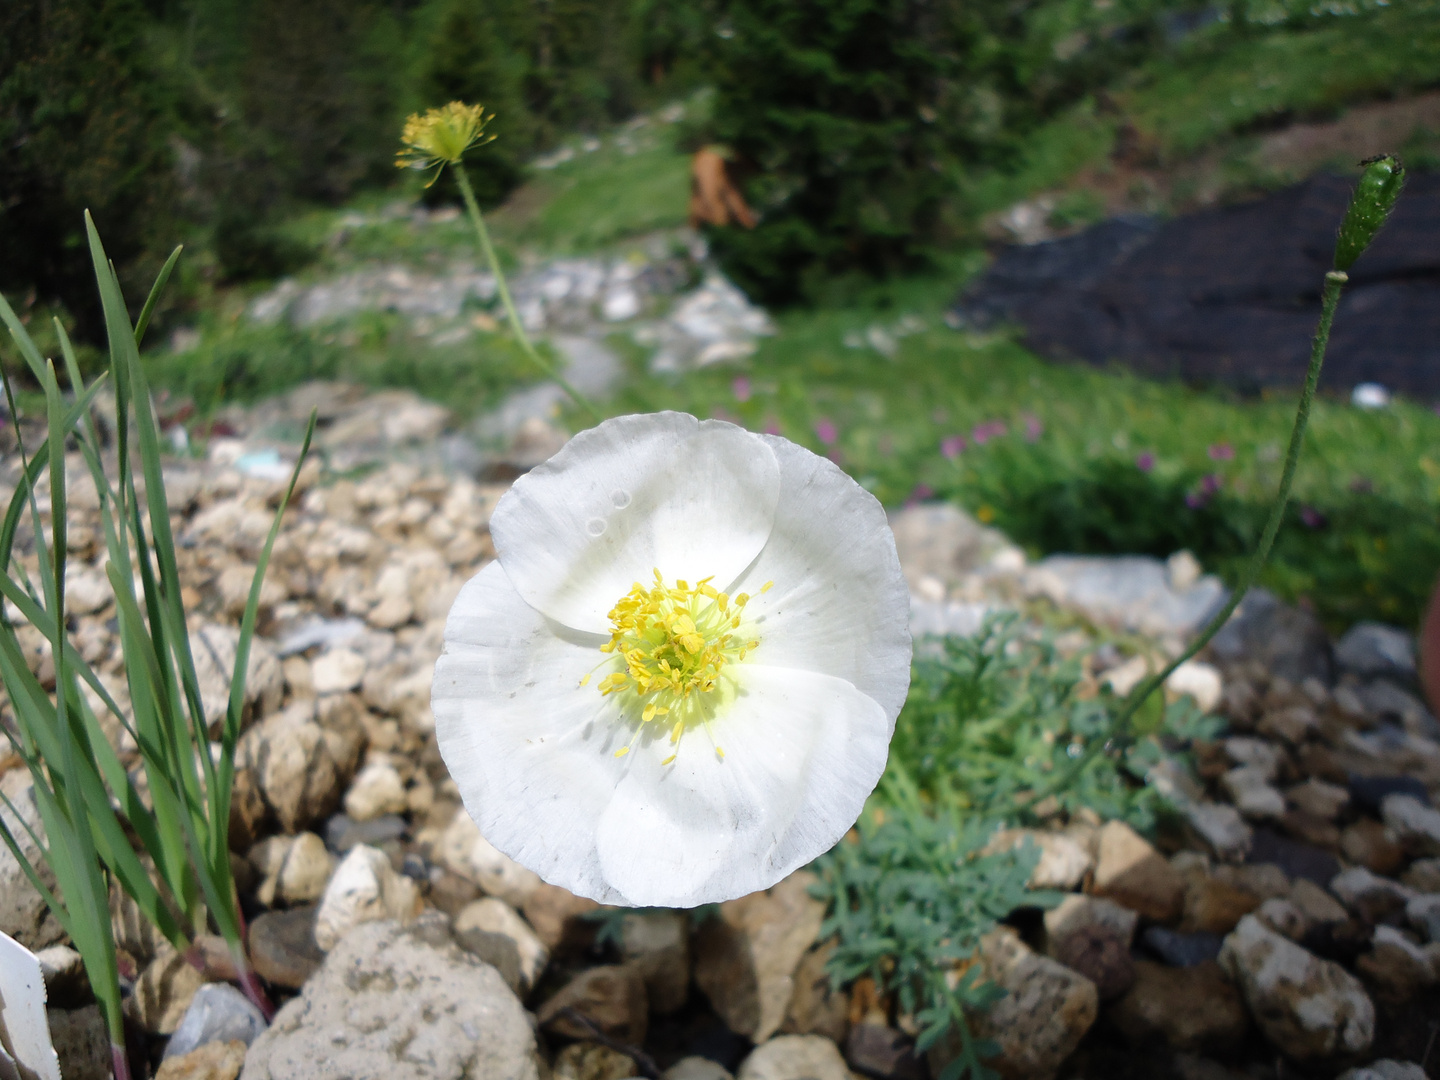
673	643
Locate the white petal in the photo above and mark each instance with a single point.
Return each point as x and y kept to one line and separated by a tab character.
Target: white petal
531	750
802	753
693	499
840	604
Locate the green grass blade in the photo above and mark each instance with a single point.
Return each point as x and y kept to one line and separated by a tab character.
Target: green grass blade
73	855
31	473
223	780
98	748
155	290
164	762
22	338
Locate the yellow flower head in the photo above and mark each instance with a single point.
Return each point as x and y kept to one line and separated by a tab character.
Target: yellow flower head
441	136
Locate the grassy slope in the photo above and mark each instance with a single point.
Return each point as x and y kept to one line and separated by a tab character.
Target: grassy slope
1221	90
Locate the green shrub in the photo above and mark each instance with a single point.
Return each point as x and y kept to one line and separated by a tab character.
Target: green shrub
1352	553
317	90
83	125
991	722
859	120
994	718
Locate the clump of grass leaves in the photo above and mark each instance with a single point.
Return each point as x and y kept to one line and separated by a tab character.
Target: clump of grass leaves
92	812
990	721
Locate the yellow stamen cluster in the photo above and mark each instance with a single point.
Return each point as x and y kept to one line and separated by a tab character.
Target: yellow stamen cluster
673	643
441	136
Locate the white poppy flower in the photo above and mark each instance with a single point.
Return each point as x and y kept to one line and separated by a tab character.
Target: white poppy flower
678	682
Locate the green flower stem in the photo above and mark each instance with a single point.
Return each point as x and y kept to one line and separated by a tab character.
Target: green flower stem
1334	282
473	209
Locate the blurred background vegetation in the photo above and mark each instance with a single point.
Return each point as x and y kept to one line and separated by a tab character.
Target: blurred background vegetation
878	140
871	134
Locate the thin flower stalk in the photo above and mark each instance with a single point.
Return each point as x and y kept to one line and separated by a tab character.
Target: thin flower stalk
441	137
1369	208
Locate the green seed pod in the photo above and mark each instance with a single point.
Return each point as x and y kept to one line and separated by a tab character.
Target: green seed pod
1371	204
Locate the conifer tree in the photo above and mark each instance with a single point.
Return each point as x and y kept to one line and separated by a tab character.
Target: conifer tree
83	124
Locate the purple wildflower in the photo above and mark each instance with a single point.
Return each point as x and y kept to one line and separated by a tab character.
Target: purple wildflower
1034	428
740	387
991	429
953	446
825	431
1221	452
1145	461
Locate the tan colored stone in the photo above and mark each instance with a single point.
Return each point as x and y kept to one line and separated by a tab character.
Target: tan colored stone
390	612
610	997
290	760
376	790
493	916
747	955
1317	905
1293	724
1373	846
293	869
1064	861
233	585
463	851
1307	1007
1099	954
1423	875
213	1061
337	671
1284	917
1076	911
591	1061
1316	797
657	944
1214	907
298	679
696	1068
213	647
1397	966
1265	880
816	1008
163	992
1192	1009
558	917
343	717
1132	873
1046	1011
364	888
795	1057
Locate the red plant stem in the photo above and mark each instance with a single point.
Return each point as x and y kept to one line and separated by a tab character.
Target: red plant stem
119	1062
250	983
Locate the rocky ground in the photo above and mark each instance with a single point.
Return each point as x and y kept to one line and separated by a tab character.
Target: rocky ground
1290	926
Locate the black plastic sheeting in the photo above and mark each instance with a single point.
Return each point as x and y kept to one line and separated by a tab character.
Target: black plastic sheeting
1232	295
